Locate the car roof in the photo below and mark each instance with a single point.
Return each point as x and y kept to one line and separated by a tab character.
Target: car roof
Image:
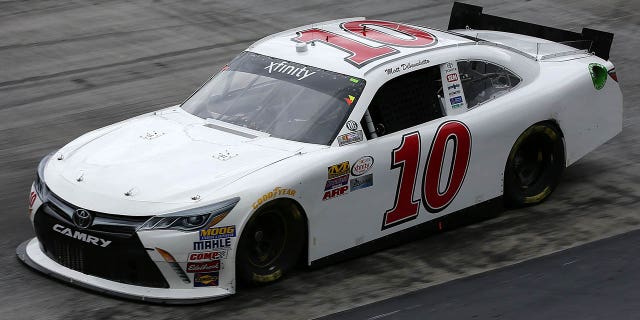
322	55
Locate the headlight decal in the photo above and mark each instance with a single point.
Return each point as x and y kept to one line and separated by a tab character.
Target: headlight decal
191	219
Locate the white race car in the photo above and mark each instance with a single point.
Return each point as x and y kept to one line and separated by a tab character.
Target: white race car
318	140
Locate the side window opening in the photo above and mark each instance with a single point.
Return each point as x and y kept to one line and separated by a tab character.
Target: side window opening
405	101
482	81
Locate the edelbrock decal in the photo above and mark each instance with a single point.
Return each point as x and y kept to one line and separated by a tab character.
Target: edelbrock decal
81	236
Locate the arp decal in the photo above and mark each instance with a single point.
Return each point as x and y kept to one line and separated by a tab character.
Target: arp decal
224	243
337	170
361	182
207	279
362	166
277	191
407	158
335	193
360	54
218	233
193	267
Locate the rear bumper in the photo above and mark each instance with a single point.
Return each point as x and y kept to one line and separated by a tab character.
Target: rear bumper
31	254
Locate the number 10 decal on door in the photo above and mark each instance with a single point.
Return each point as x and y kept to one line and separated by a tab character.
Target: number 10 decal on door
435	196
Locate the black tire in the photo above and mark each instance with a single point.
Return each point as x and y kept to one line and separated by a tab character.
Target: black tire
534	166
270	244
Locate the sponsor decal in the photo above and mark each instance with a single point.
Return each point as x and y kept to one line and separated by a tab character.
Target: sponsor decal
277	191
218	233
349	99
351	137
206	279
454	100
284	68
406	66
362	166
354	80
336	182
335	193
337	170
352	125
224	243
81	236
361	182
32	199
193	267
207	256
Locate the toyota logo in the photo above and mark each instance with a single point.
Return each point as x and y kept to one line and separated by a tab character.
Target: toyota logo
82	218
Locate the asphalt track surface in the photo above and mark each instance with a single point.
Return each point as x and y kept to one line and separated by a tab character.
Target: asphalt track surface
67	67
598	280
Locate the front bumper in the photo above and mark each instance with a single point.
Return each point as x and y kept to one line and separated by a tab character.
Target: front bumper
30	253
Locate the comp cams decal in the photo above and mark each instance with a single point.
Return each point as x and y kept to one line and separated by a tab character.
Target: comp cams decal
207	256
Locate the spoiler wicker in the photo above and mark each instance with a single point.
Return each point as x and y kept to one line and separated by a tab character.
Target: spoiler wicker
470	16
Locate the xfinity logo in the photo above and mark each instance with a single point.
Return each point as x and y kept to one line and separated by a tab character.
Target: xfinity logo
81	236
283	67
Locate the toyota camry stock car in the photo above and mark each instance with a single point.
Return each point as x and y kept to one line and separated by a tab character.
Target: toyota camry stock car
318	140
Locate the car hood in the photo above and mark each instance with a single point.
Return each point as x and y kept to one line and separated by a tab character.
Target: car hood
165	157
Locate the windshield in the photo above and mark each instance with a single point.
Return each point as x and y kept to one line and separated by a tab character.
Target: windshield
284	99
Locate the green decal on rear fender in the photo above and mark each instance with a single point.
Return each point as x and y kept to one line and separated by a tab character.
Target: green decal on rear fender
598	75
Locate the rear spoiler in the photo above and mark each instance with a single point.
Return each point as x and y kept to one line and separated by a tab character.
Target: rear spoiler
469	16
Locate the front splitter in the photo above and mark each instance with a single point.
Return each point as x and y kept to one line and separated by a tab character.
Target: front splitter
29	253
